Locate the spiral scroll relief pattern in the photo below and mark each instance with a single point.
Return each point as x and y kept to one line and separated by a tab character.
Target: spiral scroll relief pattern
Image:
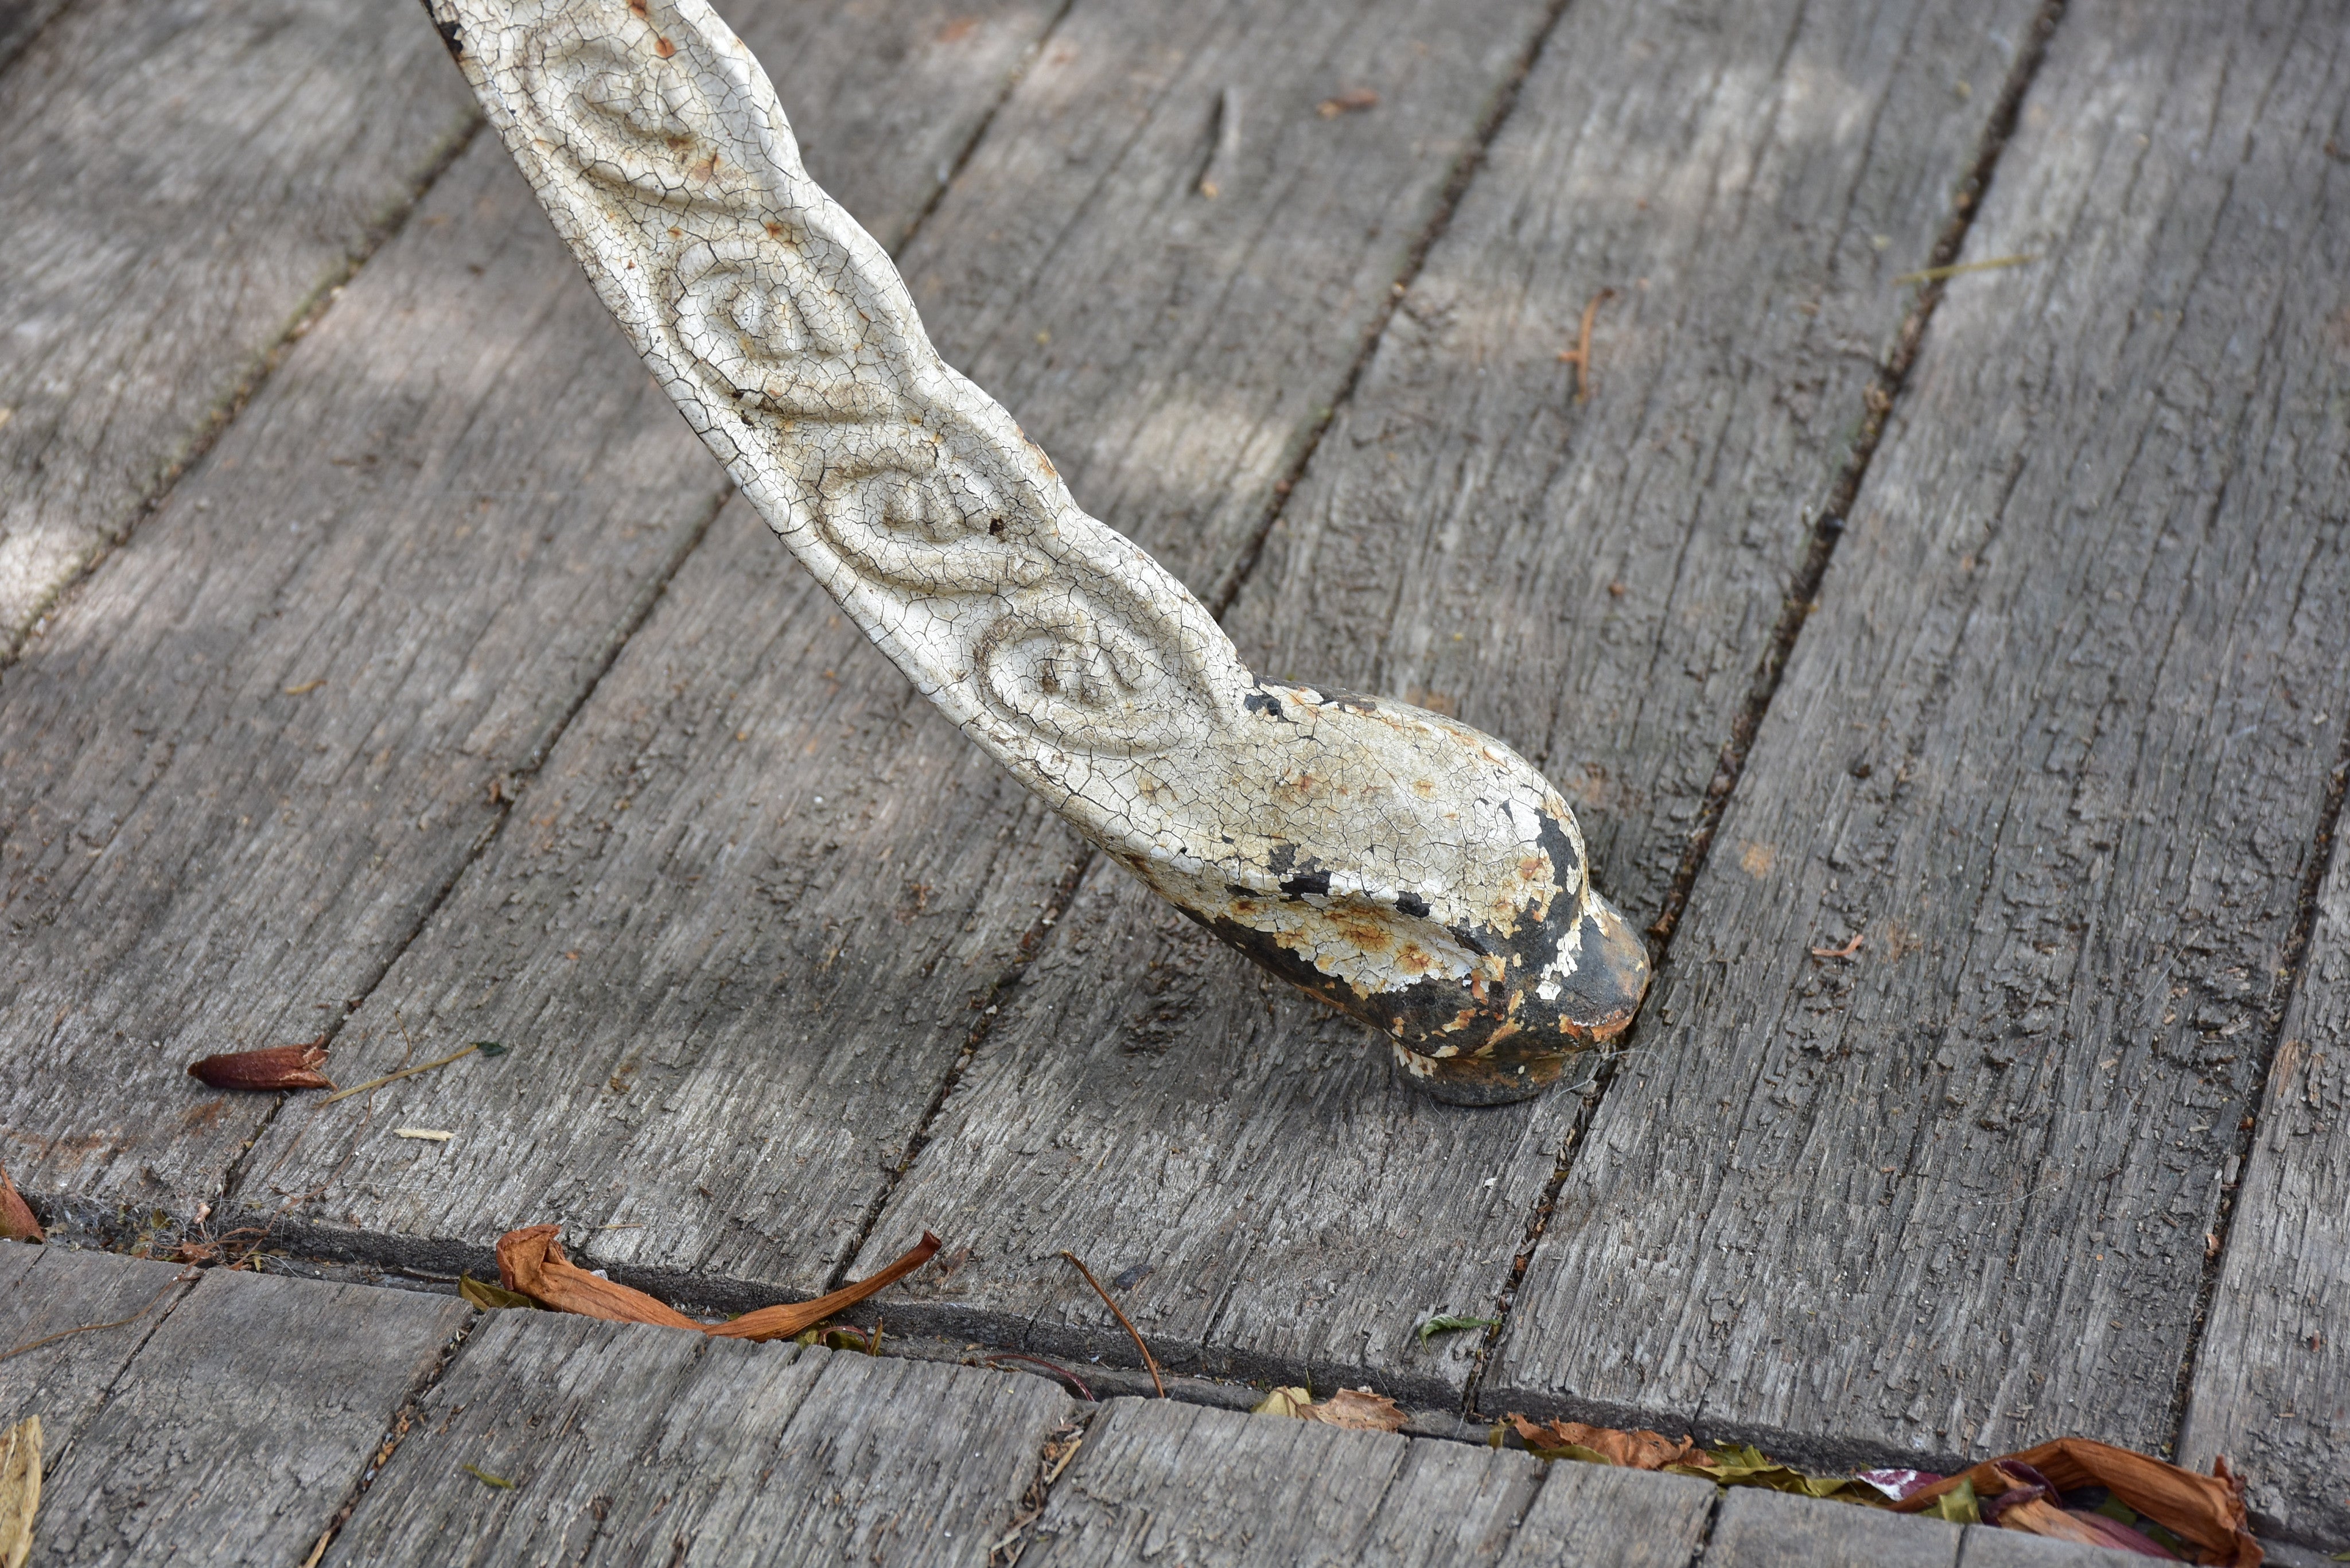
789	341
1395	864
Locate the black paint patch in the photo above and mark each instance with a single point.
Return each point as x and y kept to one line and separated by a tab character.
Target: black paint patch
1411	904
1306	882
1567	866
452	36
1262	702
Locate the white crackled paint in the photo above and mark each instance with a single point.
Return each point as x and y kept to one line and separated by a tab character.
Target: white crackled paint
1408	869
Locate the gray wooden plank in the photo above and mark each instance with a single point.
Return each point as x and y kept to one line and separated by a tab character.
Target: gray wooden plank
1758	1529
448	505
2272	1387
1597	1516
184	179
1150	1100
1986	1546
244	1424
741	994
2056	741
47	1291
626	1444
1215	1487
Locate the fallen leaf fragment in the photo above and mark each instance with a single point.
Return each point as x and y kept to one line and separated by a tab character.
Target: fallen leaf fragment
271	1067
1284	1402
486	1478
1354	100
490	1297
1448	1323
1360	1409
1357	1409
17	1221
2205	1511
1640	1450
1957	1505
1847	951
1742	1464
20	1489
531	1263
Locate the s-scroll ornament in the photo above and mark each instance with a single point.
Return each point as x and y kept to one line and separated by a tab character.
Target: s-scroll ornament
1407	869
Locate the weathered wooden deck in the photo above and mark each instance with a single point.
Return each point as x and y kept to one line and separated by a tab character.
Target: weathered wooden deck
390	661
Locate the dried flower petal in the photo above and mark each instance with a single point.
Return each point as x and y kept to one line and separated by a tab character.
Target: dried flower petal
2206	1511
271	1067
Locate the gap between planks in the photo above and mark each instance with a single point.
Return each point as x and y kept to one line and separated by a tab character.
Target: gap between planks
1884	389
215	422
648	595
2248	1132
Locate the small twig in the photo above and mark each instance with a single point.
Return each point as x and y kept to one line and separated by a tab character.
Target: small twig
1148	1360
490	1046
1847	951
1580	355
1936	273
1061	1372
32	1345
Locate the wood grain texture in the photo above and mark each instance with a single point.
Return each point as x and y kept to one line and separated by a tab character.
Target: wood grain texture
1219	1488
1758	1529
1147	1098
265	739
629	1445
2056	744
760	894
184	179
49	1290
1595	1516
1985	1546
2273	1367
21	21
244	1424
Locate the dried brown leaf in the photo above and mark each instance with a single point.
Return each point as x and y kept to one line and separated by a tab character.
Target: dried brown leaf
1358	1409
20	1489
531	1261
783	1321
17	1221
1639	1451
1354	100
272	1067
